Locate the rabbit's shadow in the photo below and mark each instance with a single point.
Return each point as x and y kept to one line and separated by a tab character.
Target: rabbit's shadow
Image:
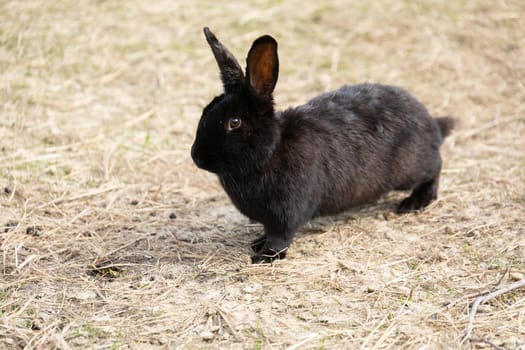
222	235
383	209
246	232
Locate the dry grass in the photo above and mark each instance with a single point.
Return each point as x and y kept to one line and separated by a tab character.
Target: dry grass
99	103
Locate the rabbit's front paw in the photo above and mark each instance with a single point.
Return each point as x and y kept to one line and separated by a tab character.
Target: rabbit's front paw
268	255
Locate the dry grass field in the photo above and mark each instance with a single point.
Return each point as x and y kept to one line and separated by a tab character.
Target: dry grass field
111	238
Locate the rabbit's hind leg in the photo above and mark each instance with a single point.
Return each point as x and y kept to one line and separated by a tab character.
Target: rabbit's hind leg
421	196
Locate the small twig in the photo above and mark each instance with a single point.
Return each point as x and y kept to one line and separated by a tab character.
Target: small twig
453	303
493	271
139	118
87	194
489	125
486	341
485	298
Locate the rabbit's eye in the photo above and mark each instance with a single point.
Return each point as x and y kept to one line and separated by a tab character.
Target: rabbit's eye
234	123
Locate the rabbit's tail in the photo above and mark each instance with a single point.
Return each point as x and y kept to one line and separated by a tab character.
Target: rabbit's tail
445	124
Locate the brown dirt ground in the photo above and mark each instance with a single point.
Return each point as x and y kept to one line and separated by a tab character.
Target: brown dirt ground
99	105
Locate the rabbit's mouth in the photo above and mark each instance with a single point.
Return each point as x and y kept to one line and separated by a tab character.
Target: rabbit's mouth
204	162
198	162
205	165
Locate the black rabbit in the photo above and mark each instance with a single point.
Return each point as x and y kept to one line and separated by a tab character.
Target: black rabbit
341	149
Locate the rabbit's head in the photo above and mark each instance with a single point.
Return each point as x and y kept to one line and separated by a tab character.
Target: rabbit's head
238	130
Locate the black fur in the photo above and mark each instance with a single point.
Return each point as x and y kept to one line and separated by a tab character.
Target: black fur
341	149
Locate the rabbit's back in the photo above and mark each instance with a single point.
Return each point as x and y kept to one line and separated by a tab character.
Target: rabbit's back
353	144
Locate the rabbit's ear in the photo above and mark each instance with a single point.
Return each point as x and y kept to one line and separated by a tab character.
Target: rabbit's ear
231	72
262	67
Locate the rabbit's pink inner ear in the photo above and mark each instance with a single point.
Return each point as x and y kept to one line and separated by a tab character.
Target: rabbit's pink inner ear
263	65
